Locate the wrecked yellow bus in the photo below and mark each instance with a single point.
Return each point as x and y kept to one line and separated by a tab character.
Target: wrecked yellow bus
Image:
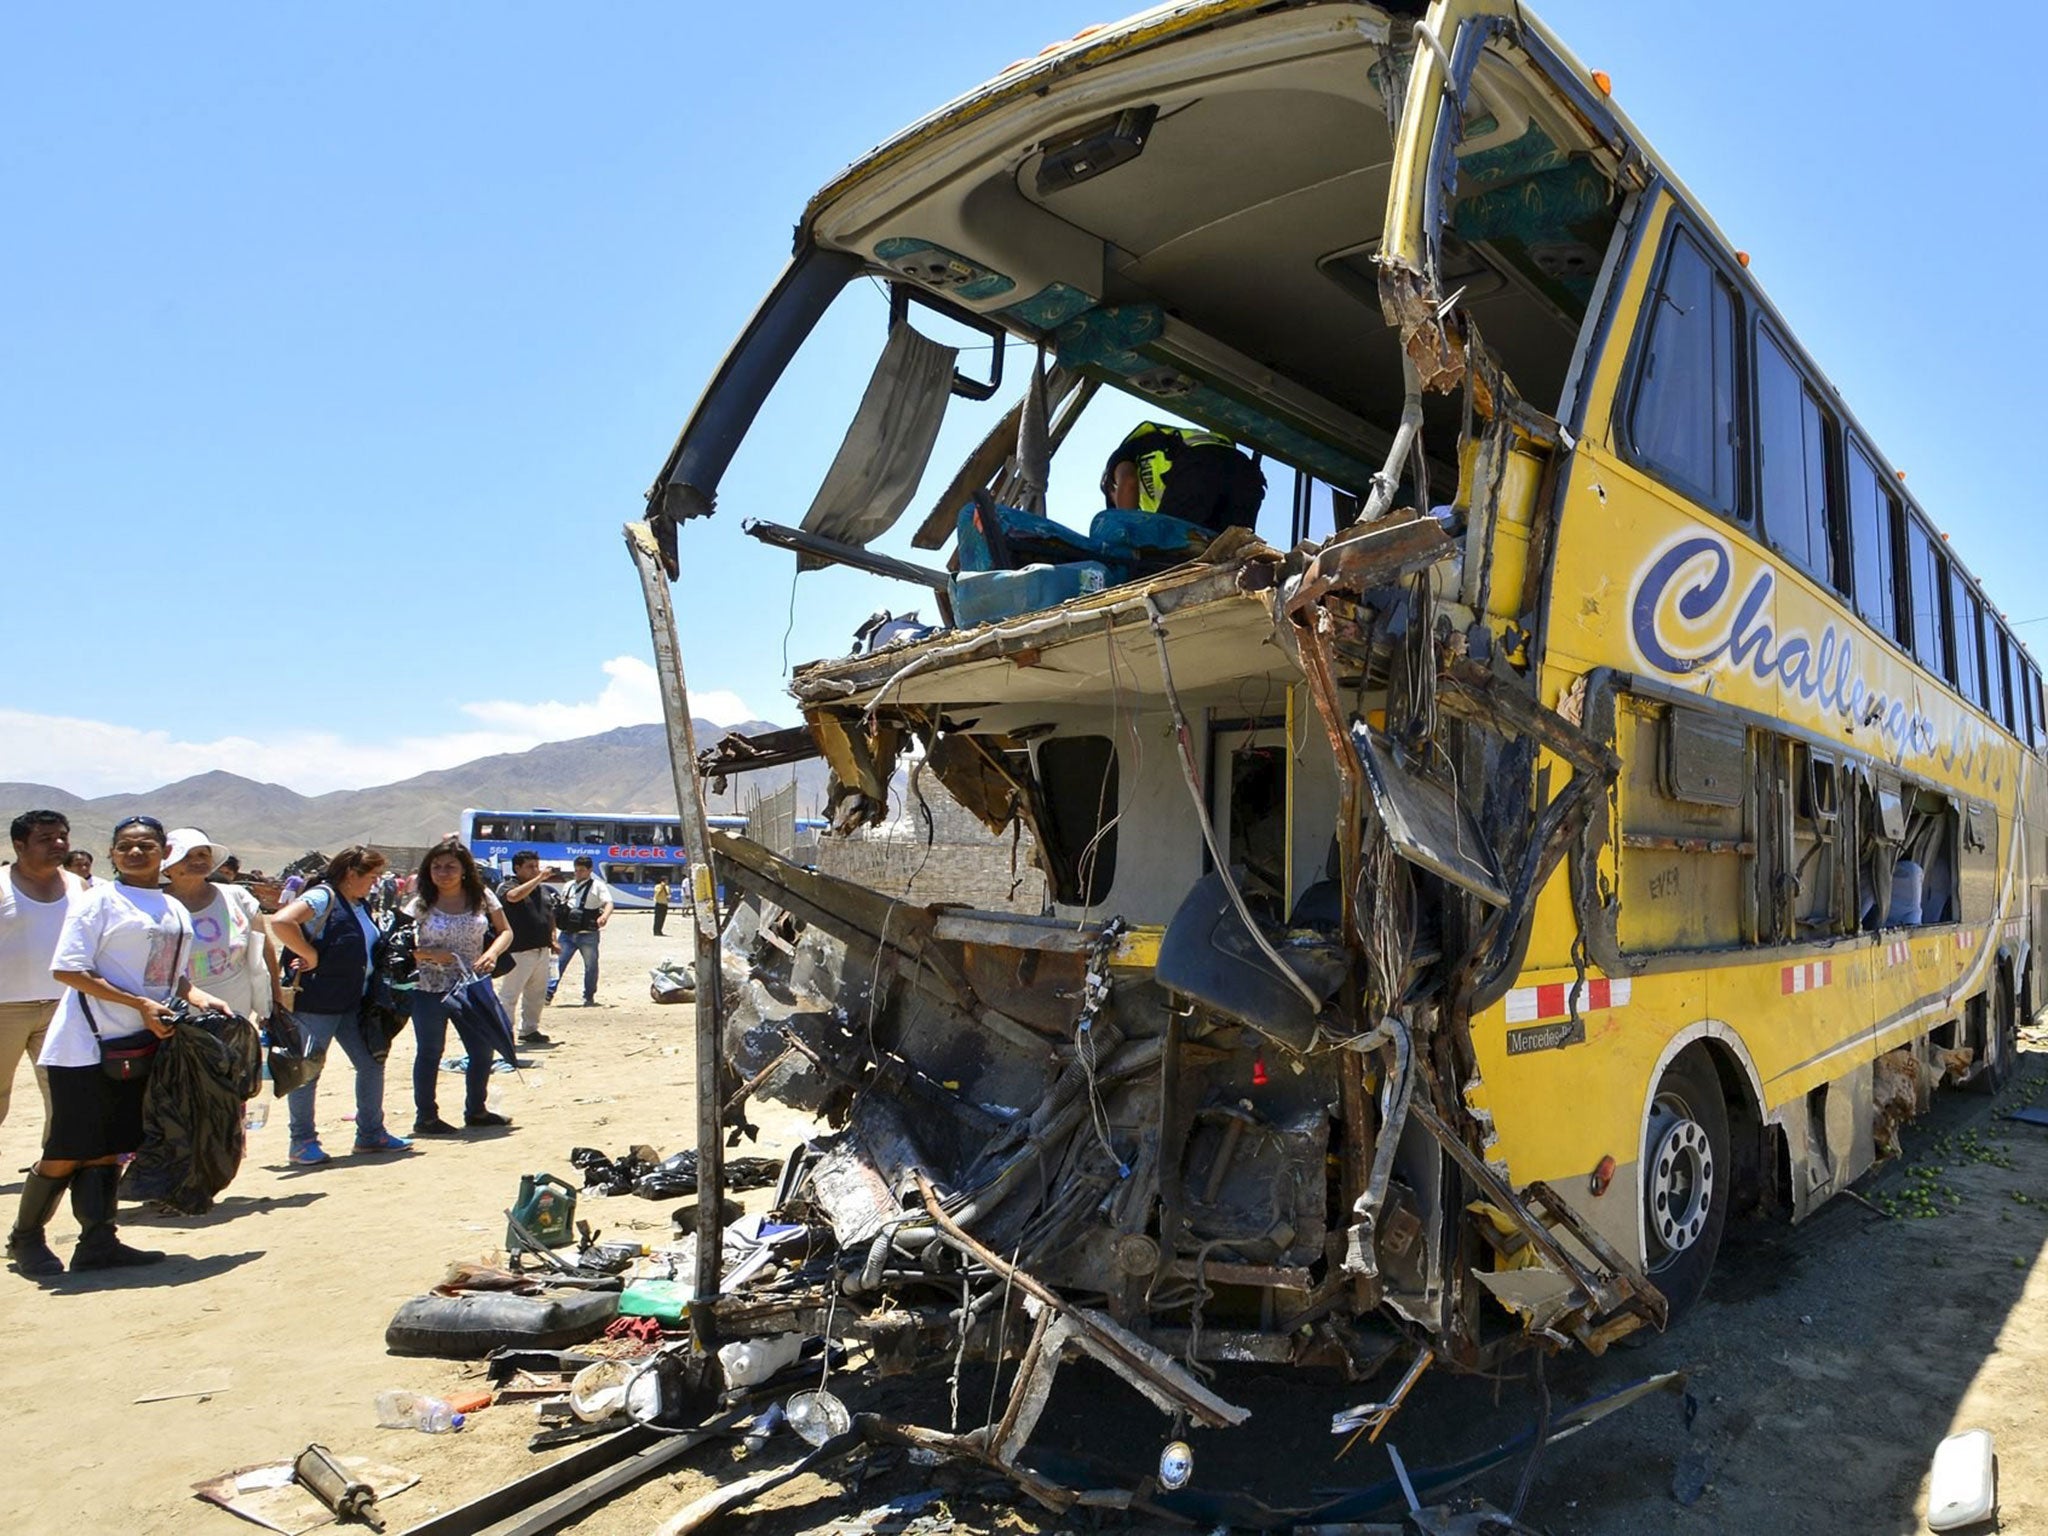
1621	819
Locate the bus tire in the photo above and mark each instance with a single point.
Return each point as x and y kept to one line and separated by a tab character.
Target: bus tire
1686	1179
2001	1033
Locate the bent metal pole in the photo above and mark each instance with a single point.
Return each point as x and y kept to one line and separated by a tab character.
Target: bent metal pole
682	757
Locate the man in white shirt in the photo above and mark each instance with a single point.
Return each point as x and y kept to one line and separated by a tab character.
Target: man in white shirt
585	908
35	893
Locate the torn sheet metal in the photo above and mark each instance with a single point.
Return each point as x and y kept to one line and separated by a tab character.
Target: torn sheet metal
1427	822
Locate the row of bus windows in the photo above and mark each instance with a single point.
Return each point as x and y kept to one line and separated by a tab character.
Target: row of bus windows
1816	489
563	829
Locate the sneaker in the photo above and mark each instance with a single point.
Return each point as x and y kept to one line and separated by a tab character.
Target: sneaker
308	1154
485	1118
433	1125
536	1038
383	1141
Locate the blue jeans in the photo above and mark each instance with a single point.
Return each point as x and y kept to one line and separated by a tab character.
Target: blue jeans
584	944
345	1030
430	1037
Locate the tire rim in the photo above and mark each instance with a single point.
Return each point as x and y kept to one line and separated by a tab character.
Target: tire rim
1679	1192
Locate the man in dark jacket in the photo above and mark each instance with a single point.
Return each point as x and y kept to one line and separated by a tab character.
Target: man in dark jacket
530	911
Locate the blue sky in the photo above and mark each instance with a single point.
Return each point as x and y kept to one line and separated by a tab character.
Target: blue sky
340	341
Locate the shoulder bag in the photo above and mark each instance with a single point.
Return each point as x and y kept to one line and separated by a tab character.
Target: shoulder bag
127	1058
573	916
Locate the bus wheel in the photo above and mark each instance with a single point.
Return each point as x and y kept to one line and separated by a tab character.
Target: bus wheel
1685	1179
2001	1032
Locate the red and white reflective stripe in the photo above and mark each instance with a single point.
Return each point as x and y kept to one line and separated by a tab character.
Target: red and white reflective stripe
1806	978
1966	939
1899	952
1528	1005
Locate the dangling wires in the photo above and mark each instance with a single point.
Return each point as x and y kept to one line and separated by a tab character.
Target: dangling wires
1184	741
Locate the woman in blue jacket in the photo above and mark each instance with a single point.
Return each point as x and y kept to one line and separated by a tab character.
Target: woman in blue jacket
330	929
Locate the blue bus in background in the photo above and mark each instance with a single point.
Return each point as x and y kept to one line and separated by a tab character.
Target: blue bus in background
629	853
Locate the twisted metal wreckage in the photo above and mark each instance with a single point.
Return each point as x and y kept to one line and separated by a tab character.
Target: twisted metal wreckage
1206	1127
1044	1141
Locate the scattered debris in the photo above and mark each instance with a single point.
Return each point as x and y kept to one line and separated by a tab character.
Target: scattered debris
471	1326
337	1487
642	1171
213	1382
1962	1487
673	981
269	1495
1690	1474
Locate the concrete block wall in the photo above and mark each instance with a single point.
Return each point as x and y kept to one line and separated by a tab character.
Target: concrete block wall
964	862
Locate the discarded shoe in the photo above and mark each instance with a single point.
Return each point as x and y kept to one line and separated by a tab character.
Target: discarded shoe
485	1118
434	1125
309	1154
383	1141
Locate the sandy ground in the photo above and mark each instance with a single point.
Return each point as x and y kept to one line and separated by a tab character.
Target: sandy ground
280	1296
1825	1366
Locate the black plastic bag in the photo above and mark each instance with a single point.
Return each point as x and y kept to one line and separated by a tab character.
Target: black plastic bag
191	1123
382	1019
291	1066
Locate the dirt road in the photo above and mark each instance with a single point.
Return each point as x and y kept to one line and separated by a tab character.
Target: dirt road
1826	1364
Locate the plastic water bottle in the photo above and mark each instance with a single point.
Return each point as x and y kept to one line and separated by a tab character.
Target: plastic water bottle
748	1362
415	1410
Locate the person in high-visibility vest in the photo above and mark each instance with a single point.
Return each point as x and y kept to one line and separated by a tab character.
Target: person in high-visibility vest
1199	477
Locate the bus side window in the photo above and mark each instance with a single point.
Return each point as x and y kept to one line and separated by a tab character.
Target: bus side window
1686	859
2016	688
1873	553
1969	628
1681	422
1794	435
1926	875
1928	589
1823	885
1993	698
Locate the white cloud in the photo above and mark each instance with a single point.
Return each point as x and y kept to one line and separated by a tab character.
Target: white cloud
631	696
93	757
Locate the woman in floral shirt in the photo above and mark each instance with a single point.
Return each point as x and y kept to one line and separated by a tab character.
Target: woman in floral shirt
460	932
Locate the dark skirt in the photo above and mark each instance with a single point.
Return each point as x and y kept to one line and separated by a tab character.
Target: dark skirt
91	1115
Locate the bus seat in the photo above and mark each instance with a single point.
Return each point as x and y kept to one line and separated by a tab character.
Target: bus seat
1147	542
999	538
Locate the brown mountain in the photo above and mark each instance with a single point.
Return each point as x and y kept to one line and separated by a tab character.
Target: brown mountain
268	824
